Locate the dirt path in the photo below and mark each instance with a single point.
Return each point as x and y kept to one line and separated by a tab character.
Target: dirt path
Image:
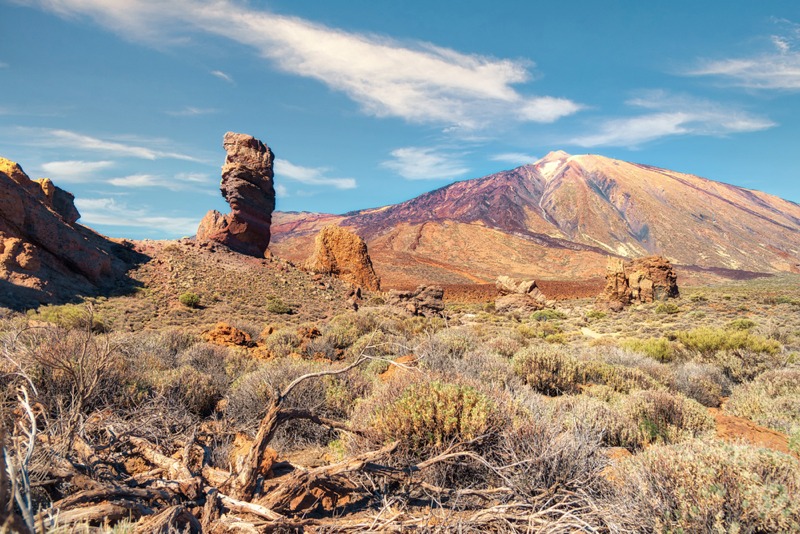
732	428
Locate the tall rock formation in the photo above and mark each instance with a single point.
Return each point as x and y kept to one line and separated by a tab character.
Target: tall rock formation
342	253
247	185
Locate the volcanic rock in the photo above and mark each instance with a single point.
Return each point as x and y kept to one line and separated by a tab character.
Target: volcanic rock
247	185
228	336
45	256
426	301
518	296
639	281
342	253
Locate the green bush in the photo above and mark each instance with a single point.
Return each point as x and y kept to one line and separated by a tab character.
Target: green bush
741	324
429	416
701	486
663	417
657	348
69	316
668	308
547	315
595	314
190	300
276	305
707	340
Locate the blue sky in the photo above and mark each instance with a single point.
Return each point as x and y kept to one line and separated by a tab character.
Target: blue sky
125	102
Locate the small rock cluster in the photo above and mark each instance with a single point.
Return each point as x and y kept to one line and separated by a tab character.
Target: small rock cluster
639	281
522	297
424	301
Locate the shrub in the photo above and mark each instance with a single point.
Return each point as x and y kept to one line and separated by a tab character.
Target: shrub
547	315
702	382
190	300
707	340
741	324
596	314
669	308
552	373
69	316
657	348
663	417
713	487
276	305
772	400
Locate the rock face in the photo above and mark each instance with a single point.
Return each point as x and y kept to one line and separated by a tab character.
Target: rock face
638	281
45	255
425	300
247	185
342	253
522	296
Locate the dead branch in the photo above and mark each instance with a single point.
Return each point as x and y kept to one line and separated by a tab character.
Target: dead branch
99	513
172	519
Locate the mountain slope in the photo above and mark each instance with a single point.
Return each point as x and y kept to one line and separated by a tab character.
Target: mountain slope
559	218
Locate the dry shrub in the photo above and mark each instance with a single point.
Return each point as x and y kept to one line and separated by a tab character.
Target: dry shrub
444	350
551	372
702	486
772	400
663	417
702	382
197	391
742	365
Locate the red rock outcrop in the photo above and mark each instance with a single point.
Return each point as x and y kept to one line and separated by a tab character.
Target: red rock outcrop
342	253
638	281
426	301
523	296
247	185
44	254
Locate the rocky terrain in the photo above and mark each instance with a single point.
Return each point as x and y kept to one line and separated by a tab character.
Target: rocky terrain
559	218
45	254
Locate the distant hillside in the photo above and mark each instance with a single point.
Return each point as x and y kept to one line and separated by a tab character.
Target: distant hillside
559	218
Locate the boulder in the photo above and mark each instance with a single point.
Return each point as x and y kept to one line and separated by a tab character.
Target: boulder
518	296
342	253
639	281
247	186
227	336
425	301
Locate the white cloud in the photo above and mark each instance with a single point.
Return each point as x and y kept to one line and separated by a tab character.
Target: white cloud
222	76
74	140
281	191
418	82
776	69
190	111
424	163
179	182
74	171
671	115
109	212
311	175
514	158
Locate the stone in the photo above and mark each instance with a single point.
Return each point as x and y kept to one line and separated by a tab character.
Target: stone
342	253
642	280
516	303
518	296
247	186
227	336
427	301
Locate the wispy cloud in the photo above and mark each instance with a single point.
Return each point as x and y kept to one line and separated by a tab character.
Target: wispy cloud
190	111
311	175
3	65
778	68
119	148
74	171
178	182
109	212
281	191
222	76
419	82
671	115
425	163
514	158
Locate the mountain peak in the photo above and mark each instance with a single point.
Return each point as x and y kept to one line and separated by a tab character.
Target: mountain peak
549	165
553	156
